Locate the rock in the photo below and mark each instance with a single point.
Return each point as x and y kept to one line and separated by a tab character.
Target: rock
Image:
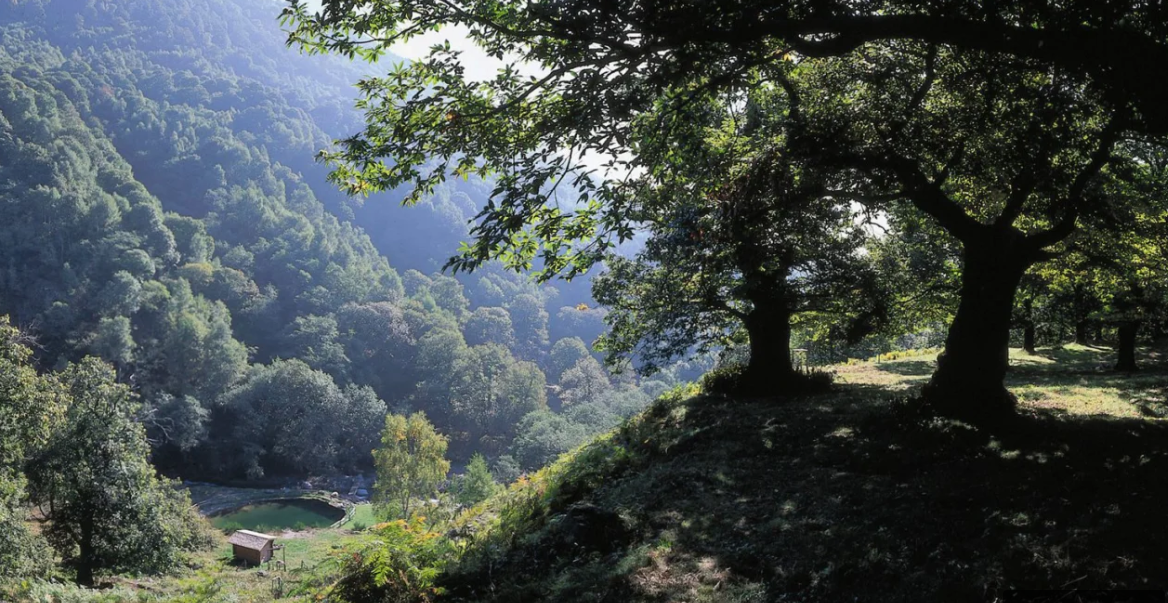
362	492
305	486
262	573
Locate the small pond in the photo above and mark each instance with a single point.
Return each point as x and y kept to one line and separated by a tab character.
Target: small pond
278	515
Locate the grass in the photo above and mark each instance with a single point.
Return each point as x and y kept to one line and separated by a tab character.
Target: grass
1073	380
849	497
363	517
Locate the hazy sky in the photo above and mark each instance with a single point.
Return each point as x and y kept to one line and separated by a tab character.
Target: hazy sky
478	64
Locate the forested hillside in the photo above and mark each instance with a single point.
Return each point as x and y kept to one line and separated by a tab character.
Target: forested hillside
162	210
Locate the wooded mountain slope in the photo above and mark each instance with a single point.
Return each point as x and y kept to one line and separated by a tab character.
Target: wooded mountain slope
162	209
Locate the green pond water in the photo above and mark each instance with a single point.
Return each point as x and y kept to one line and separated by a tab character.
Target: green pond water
280	514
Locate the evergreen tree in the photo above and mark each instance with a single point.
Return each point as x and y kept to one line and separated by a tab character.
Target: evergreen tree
477	484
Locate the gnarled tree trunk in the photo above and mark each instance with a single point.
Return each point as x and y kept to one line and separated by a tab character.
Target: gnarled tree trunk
969	380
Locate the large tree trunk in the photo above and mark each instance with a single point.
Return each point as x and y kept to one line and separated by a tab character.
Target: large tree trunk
769	329
969	380
1081	332
1127	346
85	557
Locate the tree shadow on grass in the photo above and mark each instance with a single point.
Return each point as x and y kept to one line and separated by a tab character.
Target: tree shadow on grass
856	496
908	368
1079	356
822	505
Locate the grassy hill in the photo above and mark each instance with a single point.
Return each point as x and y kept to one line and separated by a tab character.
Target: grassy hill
849	496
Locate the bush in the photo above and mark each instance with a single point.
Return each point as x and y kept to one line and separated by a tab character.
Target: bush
727	379
732	380
401	566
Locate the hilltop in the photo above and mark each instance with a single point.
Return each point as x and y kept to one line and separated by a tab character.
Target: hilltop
847	496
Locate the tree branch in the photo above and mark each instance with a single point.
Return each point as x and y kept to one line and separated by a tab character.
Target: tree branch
1075	196
924	193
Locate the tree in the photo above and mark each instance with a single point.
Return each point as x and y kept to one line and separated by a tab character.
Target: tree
565	354
289	419
380	347
357	428
1030	289
506	469
107	508
743	236
411	462
531	322
1007	158
1116	276
490	325
113	341
177	426
543	436
31	409
584	382
489	393
605	65
447	293
316	341
477	483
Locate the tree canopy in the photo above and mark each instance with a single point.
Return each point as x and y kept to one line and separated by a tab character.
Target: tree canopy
599	64
1003	124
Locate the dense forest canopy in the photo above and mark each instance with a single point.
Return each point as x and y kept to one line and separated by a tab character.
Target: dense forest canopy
164	212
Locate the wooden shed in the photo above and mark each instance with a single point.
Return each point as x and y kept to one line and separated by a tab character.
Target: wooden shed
251	547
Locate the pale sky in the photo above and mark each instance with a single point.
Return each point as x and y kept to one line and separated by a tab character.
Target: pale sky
479	66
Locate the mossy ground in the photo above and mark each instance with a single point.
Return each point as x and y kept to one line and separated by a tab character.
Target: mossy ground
851	496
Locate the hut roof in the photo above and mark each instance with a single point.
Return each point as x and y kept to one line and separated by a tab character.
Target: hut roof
250	540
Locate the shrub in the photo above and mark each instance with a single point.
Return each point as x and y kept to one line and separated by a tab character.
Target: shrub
732	380
400	566
724	379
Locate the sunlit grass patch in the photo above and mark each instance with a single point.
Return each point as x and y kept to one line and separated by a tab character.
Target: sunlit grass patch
1072	379
1083	400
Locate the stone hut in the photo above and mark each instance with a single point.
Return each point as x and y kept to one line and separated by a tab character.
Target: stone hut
251	547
